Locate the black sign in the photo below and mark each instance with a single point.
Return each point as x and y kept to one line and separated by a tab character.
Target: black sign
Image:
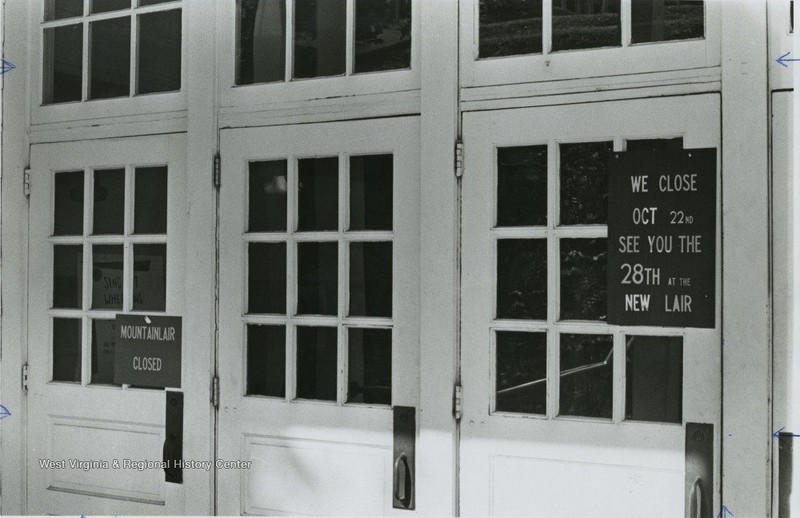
148	351
662	222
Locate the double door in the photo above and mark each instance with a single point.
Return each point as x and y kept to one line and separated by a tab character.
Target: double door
318	335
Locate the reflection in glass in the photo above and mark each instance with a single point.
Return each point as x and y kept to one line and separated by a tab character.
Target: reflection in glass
369	366
58	9
521	376
159	66
67	276
583	279
68	205
107	276
267	196
103	6
371	279
67	349
266	360
316	363
319	37
109	202
664	20
521	186
382	35
510	27
261	42
318	196
266	279
110	58
586	381
585	24
584	183
63	64
103	345
522	278
654	378
317	281
150	201
371	192
149	277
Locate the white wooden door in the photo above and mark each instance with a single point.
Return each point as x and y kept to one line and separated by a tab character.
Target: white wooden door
319	283
106	237
564	414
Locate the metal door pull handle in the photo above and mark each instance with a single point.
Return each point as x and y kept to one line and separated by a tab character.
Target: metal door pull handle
403	480
696	499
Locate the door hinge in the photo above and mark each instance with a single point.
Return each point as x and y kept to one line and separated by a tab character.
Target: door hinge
457	402
215	391
217	170
459	158
26	183
25	377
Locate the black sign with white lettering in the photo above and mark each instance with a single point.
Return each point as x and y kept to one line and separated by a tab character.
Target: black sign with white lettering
662	222
148	351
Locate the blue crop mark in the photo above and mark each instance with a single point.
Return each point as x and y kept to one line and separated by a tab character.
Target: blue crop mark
725	513
7	67
4	412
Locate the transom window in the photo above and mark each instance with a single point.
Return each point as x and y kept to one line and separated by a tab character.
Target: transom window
517	27
550	238
100	49
326	38
319	245
109	244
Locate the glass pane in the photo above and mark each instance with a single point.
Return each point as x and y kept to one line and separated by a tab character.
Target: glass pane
510	27
107	276
371	191
266	360
103	6
149	277
266	280
63	64
585	24
150	201
110	56
109	201
67	276
267	196
654	378
521	186
583	279
261	45
68	204
317	282
369	366
584	183
67	349
587	377
58	9
663	20
143	3
319	37
383	35
104	338
316	363
653	144
521	381
371	279
522	278
159	65
318	198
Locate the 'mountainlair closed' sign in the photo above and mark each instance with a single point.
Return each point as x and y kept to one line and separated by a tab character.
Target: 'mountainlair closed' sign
662	222
148	351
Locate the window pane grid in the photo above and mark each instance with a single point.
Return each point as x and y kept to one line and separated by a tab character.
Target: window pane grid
90	20
554	327
486	48
307	331
107	270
